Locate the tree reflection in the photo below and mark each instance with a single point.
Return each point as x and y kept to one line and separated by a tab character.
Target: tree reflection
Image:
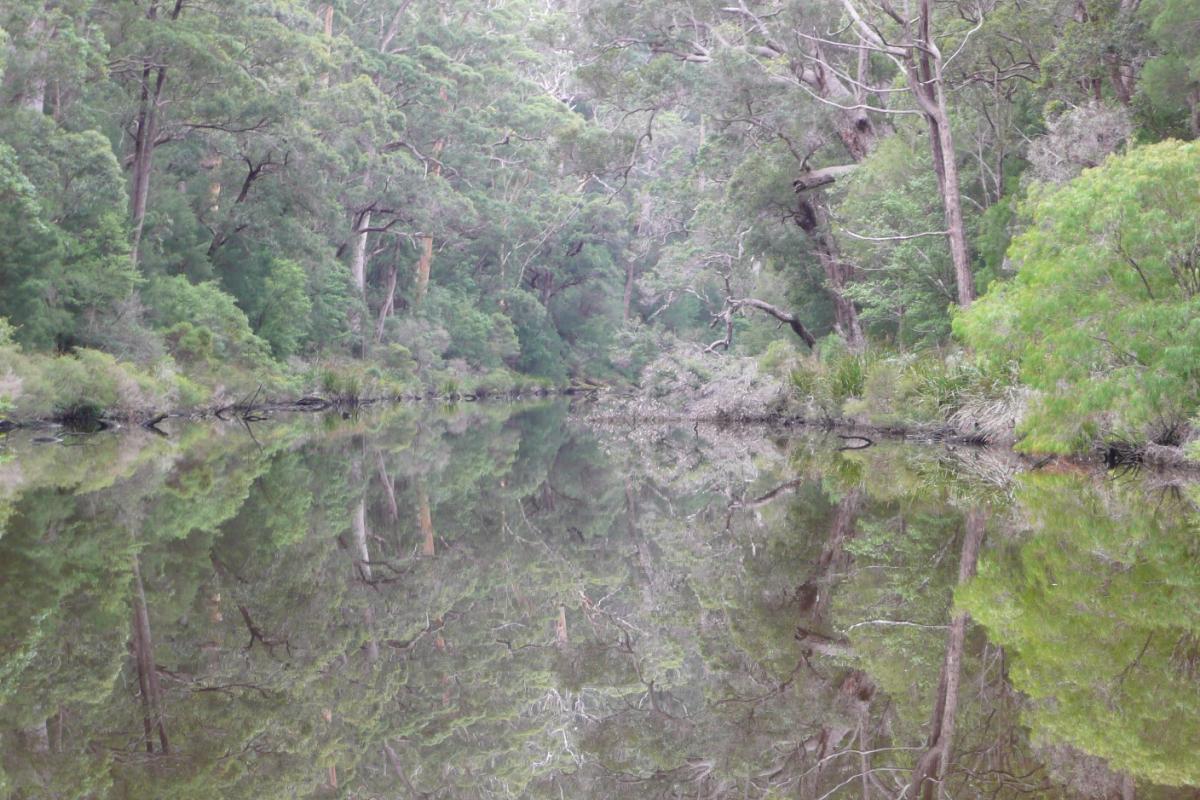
502	603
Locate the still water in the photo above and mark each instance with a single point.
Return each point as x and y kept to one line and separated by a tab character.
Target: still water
507	601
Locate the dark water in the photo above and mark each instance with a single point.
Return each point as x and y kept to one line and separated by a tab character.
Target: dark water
504	602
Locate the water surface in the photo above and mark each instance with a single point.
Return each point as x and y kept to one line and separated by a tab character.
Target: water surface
503	601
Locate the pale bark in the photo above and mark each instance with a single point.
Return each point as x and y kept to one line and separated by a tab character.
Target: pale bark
389	301
358	527
425	522
362	553
36	738
33	97
923	67
145	135
358	258
143	150
645	206
358	275
956	233
931	766
147	671
732	305
393	27
425	260
922	63
627	298
785	317
560	627
388	489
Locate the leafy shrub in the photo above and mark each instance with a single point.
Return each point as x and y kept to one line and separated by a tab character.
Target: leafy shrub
1103	317
542	350
498	382
284	319
85	385
176	300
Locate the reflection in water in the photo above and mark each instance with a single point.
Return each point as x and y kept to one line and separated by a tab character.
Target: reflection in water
503	603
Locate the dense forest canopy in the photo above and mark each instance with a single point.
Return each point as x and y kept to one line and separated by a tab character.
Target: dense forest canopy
365	195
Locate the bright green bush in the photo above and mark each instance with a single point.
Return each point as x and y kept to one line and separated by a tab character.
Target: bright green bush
1103	317
174	301
85	384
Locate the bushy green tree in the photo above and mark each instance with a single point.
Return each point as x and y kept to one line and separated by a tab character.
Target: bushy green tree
1103	316
179	306
1171	79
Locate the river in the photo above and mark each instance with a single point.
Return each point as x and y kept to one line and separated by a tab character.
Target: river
498	601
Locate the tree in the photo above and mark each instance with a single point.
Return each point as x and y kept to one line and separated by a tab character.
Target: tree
1117	247
1172	78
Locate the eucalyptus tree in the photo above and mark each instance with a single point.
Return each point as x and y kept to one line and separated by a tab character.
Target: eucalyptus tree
749	83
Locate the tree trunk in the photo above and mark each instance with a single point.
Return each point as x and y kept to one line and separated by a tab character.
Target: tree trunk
358	259
425	522
147	671
36	739
358	527
424	265
813	222
926	82
560	627
642	232
815	593
389	301
627	299
956	233
33	97
358	275
425	261
388	488
143	150
931	766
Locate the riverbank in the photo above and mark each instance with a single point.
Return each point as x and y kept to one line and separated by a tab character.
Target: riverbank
931	396
88	389
935	395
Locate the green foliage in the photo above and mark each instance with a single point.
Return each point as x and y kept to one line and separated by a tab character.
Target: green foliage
87	384
177	301
480	338
284	319
541	348
65	264
894	193
1171	80
1102	316
1097	610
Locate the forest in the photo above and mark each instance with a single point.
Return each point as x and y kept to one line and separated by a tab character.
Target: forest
612	315
982	214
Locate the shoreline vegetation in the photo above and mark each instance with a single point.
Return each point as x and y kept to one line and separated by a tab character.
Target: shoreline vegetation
977	423
981	226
